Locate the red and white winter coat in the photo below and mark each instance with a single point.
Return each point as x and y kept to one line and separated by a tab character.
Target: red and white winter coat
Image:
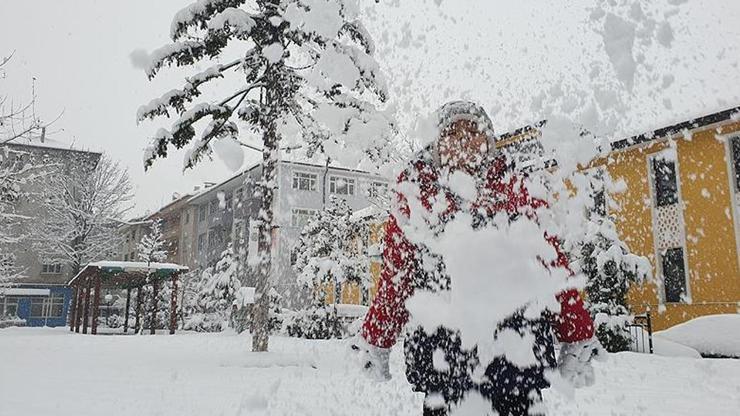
503	193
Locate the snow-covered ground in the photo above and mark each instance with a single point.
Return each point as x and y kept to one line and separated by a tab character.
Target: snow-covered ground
51	371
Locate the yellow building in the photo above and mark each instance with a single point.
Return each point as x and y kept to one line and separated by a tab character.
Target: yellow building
681	210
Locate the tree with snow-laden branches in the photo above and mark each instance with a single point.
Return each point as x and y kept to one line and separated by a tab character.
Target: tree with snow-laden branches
610	269
332	250
305	79
15	174
152	246
215	295
83	209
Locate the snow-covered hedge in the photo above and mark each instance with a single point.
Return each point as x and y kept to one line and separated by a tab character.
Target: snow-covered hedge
324	322
712	335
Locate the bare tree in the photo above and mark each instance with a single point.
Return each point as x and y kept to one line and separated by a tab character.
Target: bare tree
82	211
19	121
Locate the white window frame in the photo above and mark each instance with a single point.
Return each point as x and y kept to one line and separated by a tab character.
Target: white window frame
300	176
734	191
654	215
308	212
373	186
351	184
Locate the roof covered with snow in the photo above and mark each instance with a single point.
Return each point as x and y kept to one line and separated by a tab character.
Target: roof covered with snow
128	273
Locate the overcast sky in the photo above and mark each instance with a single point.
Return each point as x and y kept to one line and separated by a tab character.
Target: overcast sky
500	53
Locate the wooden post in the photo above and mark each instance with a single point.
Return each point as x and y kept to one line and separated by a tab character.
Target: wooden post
155	295
96	305
86	314
128	303
73	312
137	325
78	315
173	305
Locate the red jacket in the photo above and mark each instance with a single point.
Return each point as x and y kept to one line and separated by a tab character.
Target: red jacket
388	315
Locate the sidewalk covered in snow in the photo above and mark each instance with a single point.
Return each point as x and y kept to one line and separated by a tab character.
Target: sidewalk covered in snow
121	275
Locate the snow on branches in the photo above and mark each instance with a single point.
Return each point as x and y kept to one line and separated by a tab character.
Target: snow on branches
82	211
152	247
332	249
305	67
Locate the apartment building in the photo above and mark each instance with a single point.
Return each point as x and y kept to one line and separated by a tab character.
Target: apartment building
40	296
225	213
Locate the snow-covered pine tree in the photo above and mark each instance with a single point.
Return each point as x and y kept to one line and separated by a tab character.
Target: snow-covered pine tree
610	269
301	70
216	293
152	247
331	250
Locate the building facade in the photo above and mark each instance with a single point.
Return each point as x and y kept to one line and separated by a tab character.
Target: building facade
681	209
39	295
222	214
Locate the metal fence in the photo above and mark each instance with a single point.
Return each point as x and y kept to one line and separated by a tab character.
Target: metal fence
641	332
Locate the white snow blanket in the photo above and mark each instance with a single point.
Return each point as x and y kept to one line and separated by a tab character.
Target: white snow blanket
215	374
715	335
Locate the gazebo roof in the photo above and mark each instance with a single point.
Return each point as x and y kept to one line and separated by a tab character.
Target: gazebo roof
128	273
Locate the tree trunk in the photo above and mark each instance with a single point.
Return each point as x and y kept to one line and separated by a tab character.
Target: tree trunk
267	186
260	311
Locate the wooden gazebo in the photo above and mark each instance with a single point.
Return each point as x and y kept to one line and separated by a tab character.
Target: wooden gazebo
121	275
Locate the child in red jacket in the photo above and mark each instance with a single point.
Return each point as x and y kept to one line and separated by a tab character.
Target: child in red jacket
467	143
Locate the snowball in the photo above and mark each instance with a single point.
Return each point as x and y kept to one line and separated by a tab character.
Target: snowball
273	53
229	151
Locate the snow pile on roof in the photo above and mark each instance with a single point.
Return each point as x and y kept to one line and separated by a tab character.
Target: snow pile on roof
712	335
136	265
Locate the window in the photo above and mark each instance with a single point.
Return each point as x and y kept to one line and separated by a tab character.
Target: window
202	213
201	242
47	307
133	234
665	181
125	257
239	195
187	217
228	200
735	149
304	181
133	256
51	268
300	217
377	189
9	306
599	199
214	207
674	274
341	186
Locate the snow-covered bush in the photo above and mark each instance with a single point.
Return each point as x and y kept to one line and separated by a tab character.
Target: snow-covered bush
316	322
216	295
609	268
